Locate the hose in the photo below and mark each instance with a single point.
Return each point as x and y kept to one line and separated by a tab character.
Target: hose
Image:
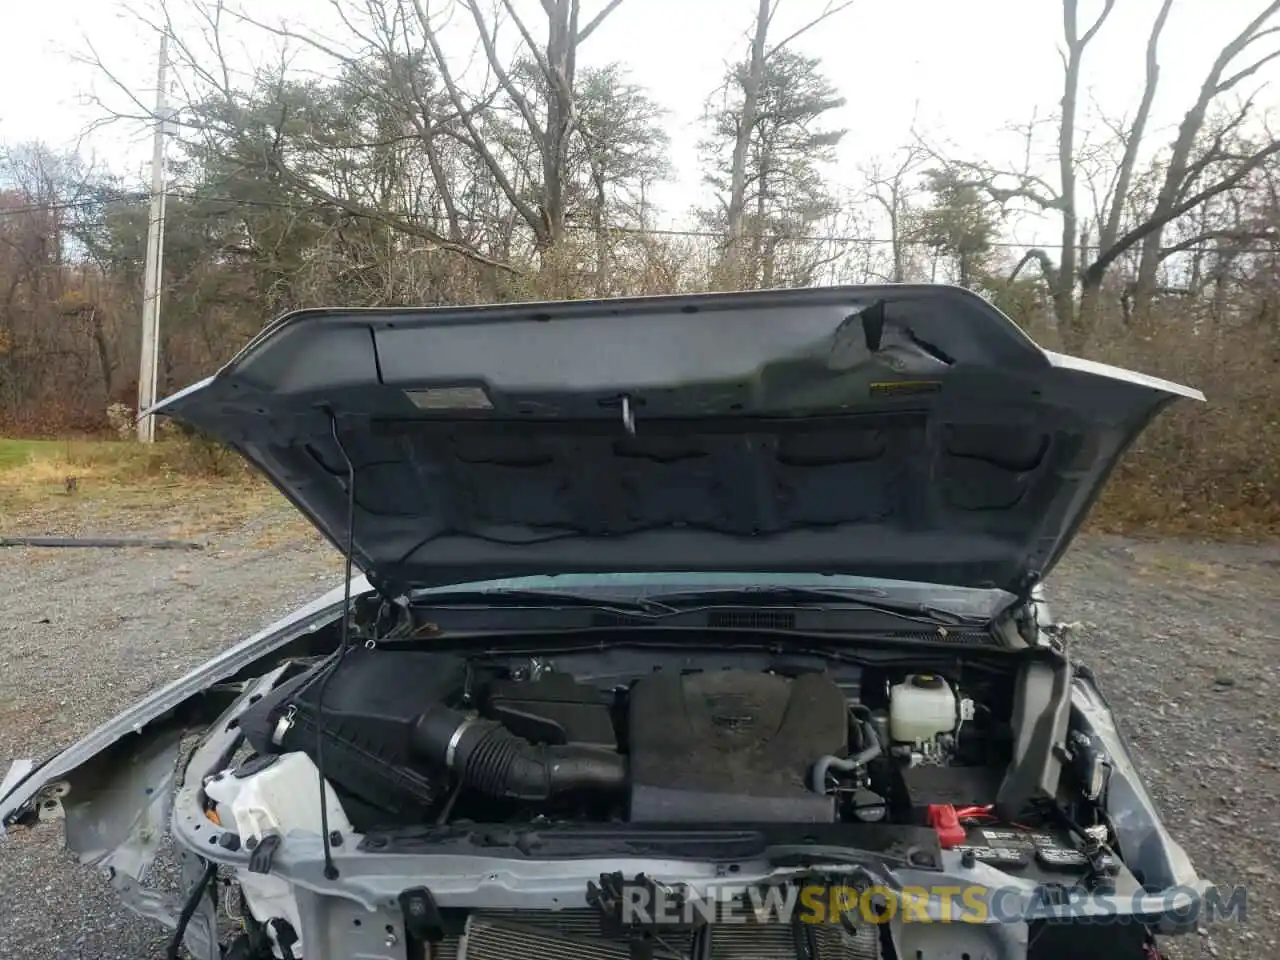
490	758
825	764
189	909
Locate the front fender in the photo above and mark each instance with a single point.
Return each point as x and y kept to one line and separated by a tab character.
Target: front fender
26	780
115	787
1146	845
18	771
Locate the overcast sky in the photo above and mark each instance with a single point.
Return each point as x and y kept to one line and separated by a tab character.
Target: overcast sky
965	69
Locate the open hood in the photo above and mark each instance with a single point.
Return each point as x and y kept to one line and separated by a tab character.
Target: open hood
909	432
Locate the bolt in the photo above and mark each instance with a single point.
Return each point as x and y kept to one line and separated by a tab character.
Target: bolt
335	838
968	858
391	940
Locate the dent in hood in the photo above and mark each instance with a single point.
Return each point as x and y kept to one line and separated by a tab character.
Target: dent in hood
909	432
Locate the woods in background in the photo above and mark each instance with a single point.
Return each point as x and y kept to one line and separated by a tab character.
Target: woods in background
401	173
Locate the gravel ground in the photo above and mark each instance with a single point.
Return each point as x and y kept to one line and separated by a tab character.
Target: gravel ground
1184	637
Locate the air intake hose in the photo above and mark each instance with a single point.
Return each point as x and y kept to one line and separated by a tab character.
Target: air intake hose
490	758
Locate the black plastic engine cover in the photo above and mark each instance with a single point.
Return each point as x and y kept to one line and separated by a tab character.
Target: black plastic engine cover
552	708
370	704
956	785
732	746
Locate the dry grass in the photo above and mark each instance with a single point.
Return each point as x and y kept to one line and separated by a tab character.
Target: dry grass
1137	504
1205	470
174	488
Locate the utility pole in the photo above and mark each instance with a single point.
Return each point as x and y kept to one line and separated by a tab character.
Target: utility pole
149	365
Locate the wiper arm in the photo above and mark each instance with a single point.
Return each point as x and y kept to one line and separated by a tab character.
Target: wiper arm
524	597
906	609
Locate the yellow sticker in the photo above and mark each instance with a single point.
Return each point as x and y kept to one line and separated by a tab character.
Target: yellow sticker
905	387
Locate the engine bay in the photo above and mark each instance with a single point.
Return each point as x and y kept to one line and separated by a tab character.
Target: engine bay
680	750
630	736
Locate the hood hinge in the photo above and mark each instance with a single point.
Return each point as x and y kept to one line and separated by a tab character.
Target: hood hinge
1025	612
1028	582
388	591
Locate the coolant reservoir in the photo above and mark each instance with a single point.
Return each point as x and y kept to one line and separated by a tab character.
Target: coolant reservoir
275	794
920	708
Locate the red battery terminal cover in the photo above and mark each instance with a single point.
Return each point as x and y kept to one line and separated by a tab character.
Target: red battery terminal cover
945	822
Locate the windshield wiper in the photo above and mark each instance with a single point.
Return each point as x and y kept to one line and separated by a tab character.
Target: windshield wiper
641	606
663	606
809	596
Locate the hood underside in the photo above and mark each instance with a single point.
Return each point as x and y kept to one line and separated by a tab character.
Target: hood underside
910	432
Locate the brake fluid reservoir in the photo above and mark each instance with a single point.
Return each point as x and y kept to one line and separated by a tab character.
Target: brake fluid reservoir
920	708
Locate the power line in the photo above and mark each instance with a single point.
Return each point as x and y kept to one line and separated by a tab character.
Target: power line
480	221
58	205
671	232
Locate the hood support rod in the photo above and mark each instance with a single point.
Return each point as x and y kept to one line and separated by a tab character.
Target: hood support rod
330	868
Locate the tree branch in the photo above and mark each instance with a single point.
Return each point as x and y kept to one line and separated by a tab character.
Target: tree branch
598	19
1133	139
1089	34
828	12
1159	221
532	45
400	224
1047	269
495	63
477	140
1247	72
1238	236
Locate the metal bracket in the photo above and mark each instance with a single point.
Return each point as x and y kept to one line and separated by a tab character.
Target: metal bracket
49	801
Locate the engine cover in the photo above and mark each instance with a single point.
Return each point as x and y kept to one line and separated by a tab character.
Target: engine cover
732	746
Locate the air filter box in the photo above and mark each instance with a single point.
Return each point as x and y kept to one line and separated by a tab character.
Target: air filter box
370	704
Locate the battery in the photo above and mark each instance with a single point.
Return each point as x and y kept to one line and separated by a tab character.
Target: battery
1012	847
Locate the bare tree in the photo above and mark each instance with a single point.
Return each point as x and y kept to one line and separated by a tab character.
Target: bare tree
1209	156
550	131
621	152
49	320
445	133
1183	188
761	52
784	190
890	185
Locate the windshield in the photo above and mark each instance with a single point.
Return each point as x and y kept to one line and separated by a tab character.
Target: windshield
967	602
